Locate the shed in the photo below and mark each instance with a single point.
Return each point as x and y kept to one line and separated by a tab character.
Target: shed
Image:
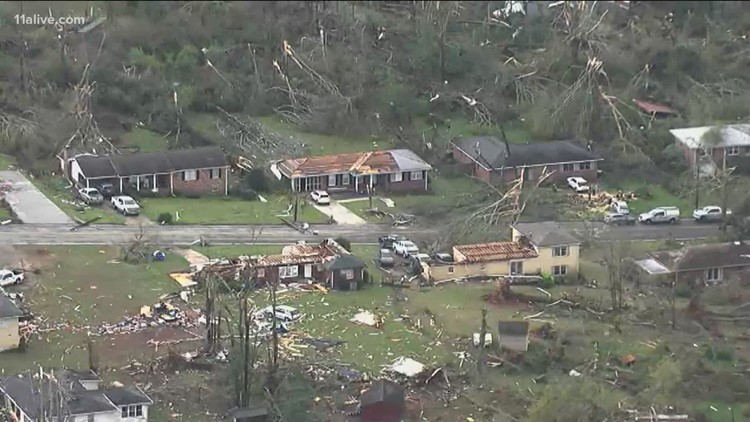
513	335
249	414
345	272
10	315
384	401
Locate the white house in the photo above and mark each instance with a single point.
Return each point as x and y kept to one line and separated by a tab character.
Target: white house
86	401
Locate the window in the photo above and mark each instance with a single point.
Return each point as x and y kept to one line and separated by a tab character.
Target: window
128	412
559	270
713	274
260	272
90	418
516	267
416	175
331	180
396	177
345	179
347	274
216	173
735	150
560	251
451	270
189	175
584	166
288	272
568	167
124	412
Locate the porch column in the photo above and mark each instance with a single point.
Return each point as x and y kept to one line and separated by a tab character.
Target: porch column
425	180
226	181
371	182
120	184
171	183
138	183
291	180
87	182
356	183
155	187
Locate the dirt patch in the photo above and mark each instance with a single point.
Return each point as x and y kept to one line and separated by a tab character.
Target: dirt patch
34	258
140	345
140	220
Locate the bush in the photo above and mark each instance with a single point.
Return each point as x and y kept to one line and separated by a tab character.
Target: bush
256	180
164	218
548	281
344	242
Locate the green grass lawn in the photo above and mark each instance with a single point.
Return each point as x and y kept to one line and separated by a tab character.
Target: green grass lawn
6	162
81	286
724	412
448	193
224	210
59	192
145	140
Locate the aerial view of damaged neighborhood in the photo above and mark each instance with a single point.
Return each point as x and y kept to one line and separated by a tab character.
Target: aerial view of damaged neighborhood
374	211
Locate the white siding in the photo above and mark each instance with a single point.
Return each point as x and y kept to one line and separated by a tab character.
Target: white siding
75	170
114	416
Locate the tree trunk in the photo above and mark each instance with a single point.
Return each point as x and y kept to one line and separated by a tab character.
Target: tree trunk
482	334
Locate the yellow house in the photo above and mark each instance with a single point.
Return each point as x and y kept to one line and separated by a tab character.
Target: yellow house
536	248
9	325
559	251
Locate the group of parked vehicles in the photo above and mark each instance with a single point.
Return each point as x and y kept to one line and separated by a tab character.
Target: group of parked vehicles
660	215
396	248
123	204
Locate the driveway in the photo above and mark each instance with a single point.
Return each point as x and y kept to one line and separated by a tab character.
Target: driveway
340	213
29	204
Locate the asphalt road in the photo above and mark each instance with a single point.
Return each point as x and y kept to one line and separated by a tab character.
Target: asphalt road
60	234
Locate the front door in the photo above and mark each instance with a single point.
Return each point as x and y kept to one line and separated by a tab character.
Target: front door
308	271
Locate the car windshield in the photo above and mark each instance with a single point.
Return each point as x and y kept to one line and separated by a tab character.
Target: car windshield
323	195
128	202
581	182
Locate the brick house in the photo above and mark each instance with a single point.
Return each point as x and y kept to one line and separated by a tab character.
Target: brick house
396	170
489	159
188	171
707	148
327	263
701	264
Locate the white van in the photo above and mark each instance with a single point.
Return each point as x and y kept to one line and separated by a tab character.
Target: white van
660	215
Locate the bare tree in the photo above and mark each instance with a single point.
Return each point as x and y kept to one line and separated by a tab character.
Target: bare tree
614	259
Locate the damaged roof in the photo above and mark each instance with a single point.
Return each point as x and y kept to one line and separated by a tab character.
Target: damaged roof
730	135
147	163
345	262
546	233
702	257
8	309
303	253
372	162
491	152
653	108
495	251
513	328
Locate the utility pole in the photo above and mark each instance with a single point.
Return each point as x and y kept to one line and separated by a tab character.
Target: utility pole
482	335
697	184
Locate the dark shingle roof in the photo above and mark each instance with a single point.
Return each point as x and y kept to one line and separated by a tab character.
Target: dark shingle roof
123	396
345	262
383	391
148	163
546	233
491	152
96	166
700	257
8	309
513	328
85	402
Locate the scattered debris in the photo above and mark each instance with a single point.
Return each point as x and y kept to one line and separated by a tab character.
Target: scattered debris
406	366
367	318
321	344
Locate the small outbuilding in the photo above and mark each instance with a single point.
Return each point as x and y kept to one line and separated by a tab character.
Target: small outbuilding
384	401
513	335
345	272
249	414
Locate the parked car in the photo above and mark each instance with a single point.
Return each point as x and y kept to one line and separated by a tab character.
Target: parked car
387	241
106	189
442	257
386	258
620	207
660	215
405	248
125	205
91	196
264	329
578	184
416	261
709	213
320	197
283	313
617	219
11	277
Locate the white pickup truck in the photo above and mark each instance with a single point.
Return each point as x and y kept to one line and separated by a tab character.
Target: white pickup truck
11	277
660	215
125	205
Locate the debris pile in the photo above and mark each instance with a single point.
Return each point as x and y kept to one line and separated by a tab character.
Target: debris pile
399	219
367	318
152	316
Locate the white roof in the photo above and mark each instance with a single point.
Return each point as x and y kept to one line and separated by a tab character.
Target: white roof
408	160
732	135
652	266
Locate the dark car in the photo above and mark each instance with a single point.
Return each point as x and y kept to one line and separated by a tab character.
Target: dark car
387	241
616	219
442	257
106	189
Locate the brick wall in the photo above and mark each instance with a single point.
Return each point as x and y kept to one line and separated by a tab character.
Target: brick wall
460	157
204	185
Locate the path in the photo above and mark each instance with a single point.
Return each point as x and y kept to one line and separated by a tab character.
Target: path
178	235
29	204
340	213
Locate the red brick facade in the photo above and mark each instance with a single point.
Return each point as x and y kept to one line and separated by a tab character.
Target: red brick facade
559	172
204	184
699	277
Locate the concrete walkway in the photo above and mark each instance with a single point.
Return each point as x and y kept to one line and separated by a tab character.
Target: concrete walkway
29	204
340	213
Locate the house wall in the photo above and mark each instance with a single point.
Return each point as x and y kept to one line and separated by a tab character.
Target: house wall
271	274
381	412
545	261
699	276
9	334
340	282
113	416
515	343
75	171
405	185
483	269
204	184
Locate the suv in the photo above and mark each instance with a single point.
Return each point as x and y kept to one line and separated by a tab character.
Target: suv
405	248
660	215
709	213
91	196
579	184
320	197
386	258
387	241
106	189
618	219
